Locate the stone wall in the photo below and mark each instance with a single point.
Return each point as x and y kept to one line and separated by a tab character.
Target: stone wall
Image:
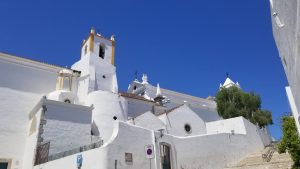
68	126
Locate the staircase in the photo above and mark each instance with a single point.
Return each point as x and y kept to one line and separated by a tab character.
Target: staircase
269	158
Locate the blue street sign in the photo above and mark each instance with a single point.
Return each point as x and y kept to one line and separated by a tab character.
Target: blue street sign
79	161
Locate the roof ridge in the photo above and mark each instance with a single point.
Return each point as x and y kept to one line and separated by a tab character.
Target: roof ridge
134	96
170	110
196	98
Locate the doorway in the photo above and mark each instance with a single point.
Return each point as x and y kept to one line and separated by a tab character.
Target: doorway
3	165
165	151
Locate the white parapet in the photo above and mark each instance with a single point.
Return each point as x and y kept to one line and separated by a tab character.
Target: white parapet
293	106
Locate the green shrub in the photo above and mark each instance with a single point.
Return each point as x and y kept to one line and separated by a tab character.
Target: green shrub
233	102
290	140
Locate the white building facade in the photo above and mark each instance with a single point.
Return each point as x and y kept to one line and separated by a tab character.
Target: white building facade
285	24
58	118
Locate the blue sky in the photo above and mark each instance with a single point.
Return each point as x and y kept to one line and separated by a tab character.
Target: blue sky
186	46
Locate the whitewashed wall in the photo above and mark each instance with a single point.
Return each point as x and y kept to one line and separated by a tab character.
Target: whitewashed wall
206	114
210	151
106	106
254	130
31	140
286	32
235	125
23	83
214	151
149	121
104	74
125	138
129	139
293	106
24	75
239	125
178	118
84	79
92	159
68	126
14	108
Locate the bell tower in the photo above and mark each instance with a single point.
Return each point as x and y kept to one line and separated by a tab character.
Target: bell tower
99	46
97	84
96	64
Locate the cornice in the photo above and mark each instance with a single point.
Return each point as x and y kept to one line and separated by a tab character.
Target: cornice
29	62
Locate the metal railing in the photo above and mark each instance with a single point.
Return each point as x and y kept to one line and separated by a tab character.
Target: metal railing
43	157
269	154
75	150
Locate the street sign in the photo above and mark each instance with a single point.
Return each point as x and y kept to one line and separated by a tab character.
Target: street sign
149	151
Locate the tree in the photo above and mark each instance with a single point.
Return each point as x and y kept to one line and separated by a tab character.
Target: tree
233	102
290	140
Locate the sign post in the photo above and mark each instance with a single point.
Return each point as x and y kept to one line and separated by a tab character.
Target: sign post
79	161
149	152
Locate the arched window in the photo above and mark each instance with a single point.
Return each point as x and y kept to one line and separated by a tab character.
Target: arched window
102	51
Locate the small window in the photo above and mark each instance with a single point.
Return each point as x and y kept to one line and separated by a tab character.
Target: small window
102	51
188	128
85	49
103	76
134	87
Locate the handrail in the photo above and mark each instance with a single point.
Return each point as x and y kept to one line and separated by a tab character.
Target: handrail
75	151
269	154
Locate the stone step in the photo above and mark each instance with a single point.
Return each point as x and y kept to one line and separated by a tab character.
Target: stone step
264	163
286	165
255	161
261	161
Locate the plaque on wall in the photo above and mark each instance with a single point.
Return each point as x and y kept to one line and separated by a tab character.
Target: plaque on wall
128	158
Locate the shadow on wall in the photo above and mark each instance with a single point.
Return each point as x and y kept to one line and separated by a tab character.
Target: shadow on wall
95	130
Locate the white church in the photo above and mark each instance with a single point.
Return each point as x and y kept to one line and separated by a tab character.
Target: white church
59	118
